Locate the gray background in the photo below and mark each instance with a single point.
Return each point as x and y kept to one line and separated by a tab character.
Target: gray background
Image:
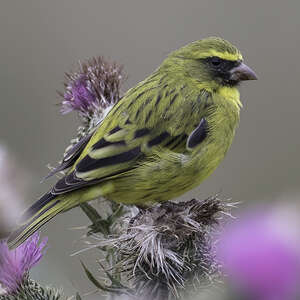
40	40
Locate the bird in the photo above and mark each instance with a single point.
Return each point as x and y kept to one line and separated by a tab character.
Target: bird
163	138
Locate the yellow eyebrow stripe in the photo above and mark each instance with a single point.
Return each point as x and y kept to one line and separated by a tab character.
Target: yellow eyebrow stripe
223	55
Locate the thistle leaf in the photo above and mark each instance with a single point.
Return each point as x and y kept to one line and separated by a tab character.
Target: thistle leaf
93	279
90	212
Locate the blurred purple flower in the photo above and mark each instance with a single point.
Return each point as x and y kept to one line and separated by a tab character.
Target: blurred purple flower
15	264
259	258
14	181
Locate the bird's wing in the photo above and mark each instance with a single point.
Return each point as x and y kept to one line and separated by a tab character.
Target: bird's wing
152	118
70	156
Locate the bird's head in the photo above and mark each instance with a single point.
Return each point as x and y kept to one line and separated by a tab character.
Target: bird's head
212	60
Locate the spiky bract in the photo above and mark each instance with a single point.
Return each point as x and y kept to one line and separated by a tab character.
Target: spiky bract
165	248
31	290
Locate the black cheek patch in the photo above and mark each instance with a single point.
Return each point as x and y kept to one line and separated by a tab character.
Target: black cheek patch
198	135
222	70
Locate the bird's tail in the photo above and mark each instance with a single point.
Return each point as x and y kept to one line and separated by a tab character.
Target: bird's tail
49	205
42	211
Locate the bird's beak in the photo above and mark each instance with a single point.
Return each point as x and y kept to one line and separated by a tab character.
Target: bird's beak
242	72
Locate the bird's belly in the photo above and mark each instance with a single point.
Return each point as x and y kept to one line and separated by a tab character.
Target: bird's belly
167	181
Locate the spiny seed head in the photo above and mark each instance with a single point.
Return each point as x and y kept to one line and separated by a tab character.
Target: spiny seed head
167	247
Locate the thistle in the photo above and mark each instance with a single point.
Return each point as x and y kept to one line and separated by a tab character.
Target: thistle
162	250
168	247
14	271
92	90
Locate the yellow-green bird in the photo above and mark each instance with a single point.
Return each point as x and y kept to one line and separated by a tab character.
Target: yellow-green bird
163	138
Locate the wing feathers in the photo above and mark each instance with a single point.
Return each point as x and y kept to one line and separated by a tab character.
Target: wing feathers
89	164
71	156
104	143
198	135
38	205
120	144
141	132
158	139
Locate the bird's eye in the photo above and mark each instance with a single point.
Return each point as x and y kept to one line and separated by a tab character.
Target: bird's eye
215	61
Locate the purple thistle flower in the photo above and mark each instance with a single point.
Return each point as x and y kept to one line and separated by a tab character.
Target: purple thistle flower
92	89
15	264
259	257
79	96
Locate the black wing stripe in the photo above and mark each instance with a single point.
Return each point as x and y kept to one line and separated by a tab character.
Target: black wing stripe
71	156
180	141
173	99
65	183
158	99
198	135
116	129
71	179
37	205
148	116
69	183
88	164
158	139
172	141
77	147
104	143
141	132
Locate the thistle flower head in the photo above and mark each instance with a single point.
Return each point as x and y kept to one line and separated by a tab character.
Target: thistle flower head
15	264
167	247
79	95
92	89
